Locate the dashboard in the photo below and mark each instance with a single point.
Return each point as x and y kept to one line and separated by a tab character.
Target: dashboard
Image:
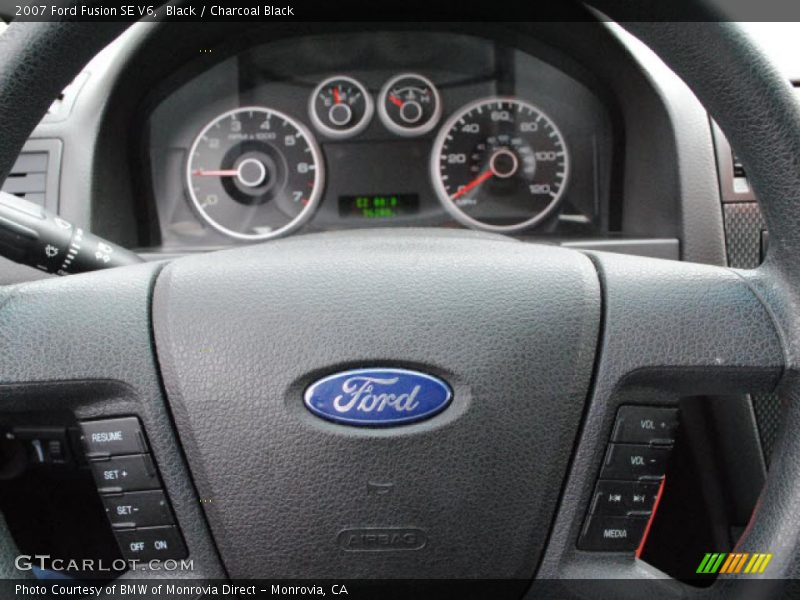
376	129
179	138
242	141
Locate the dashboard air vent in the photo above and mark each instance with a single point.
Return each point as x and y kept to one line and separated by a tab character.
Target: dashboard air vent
28	177
35	174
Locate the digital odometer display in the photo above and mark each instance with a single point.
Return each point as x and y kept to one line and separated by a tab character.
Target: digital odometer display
378	206
500	164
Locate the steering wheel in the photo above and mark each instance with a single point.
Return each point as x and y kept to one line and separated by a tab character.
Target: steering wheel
538	343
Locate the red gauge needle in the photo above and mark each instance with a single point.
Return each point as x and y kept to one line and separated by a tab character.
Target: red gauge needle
337	97
396	101
472	184
219	173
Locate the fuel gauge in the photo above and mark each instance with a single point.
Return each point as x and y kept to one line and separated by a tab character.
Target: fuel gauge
340	107
409	105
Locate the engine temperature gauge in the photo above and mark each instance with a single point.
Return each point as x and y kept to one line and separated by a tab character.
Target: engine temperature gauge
340	107
409	105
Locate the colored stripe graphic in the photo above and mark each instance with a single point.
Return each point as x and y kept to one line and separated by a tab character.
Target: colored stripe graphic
717	564
724	563
758	563
740	564
703	563
751	564
767	558
711	562
726	566
734	563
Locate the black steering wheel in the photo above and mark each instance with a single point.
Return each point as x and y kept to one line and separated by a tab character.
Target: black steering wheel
213	354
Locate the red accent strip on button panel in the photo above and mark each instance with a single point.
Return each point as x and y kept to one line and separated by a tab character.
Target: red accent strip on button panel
650	520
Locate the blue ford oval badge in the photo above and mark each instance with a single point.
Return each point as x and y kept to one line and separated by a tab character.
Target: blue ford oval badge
378	397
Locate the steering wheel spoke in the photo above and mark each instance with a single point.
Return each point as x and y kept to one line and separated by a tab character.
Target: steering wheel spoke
694	328
80	348
671	330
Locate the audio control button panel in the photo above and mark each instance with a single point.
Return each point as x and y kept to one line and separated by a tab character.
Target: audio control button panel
631	479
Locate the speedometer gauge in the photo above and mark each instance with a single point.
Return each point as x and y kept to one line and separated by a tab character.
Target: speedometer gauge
254	173
500	164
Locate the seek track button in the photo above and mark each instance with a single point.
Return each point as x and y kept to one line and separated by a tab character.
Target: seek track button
620	498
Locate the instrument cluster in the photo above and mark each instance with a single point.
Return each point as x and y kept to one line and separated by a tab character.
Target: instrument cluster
276	139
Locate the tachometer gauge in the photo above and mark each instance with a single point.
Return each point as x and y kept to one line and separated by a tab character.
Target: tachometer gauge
409	105
340	107
255	173
500	164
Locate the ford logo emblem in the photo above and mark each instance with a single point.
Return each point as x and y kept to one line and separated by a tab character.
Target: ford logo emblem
378	397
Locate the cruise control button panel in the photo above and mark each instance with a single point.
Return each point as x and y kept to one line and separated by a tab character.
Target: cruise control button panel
631	479
136	504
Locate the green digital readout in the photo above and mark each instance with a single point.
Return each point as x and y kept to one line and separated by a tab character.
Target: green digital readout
378	206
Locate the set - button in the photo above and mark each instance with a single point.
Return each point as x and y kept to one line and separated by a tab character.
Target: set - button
138	509
126	477
630	479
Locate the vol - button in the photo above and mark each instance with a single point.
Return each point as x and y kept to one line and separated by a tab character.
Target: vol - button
634	461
